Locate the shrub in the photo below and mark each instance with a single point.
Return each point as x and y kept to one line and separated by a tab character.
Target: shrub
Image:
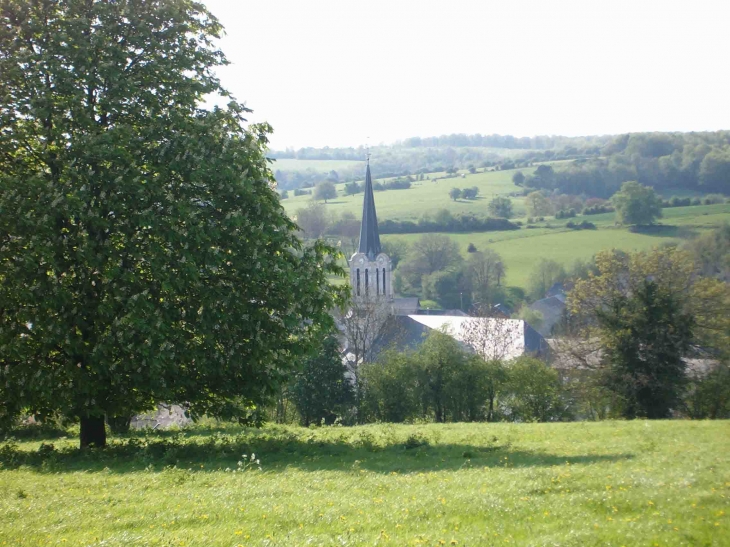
471	248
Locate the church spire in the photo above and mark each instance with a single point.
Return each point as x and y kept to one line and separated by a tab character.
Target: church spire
369	236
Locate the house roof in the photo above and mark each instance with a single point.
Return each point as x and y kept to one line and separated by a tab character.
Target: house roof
498	338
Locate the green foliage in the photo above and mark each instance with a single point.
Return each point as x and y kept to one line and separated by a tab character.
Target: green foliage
390	393
644	337
451	289
543	276
711	252
147	257
537	204
320	390
708	393
533	392
313	220
518	178
352	188
454	193
636	204
325	190
500	207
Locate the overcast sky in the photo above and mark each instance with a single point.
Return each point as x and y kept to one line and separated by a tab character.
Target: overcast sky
335	73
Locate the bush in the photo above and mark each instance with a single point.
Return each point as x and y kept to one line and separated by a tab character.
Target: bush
471	248
565	214
533	392
447	223
712	199
597	210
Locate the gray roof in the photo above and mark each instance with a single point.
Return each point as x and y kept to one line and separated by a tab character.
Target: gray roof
369	236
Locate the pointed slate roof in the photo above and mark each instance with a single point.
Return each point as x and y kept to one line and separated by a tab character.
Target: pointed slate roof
369	236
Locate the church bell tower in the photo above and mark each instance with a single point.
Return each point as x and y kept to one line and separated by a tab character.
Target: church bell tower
370	269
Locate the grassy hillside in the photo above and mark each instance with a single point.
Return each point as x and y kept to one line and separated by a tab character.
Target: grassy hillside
521	249
574	484
425	196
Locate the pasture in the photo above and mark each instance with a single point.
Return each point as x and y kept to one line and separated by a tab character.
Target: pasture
634	483
424	197
521	249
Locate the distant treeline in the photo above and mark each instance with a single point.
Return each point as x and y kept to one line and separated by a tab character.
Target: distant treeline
665	161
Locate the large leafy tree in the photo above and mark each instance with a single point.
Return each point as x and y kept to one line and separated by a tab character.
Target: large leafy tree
143	253
637	204
640	315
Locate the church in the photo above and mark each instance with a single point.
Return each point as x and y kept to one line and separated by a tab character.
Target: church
400	323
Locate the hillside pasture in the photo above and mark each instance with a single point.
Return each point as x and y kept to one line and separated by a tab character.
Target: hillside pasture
571	484
521	249
424	197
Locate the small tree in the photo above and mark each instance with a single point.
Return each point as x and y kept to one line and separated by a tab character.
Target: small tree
545	274
313	220
518	178
434	252
500	207
470	193
320	390
352	188
537	204
454	193
485	271
325	190
533	392
636	204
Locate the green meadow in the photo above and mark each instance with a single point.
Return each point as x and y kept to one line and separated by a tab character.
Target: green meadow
609	483
521	249
424	197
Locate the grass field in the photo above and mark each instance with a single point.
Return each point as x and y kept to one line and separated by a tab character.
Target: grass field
521	249
425	196
575	484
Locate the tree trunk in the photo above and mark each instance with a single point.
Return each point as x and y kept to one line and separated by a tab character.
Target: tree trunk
93	432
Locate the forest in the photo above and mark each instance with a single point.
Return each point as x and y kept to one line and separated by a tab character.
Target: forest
598	166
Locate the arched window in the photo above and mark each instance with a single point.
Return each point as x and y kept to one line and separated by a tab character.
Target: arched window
366	282
384	281
377	281
358	282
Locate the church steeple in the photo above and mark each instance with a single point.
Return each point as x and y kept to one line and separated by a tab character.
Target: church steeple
370	267
369	236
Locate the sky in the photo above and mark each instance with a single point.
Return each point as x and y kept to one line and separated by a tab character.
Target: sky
349	73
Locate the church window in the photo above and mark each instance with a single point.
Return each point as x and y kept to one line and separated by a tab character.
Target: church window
377	281
384	281
358	281
366	281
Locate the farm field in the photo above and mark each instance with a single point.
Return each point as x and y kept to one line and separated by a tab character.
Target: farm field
521	249
426	196
633	483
